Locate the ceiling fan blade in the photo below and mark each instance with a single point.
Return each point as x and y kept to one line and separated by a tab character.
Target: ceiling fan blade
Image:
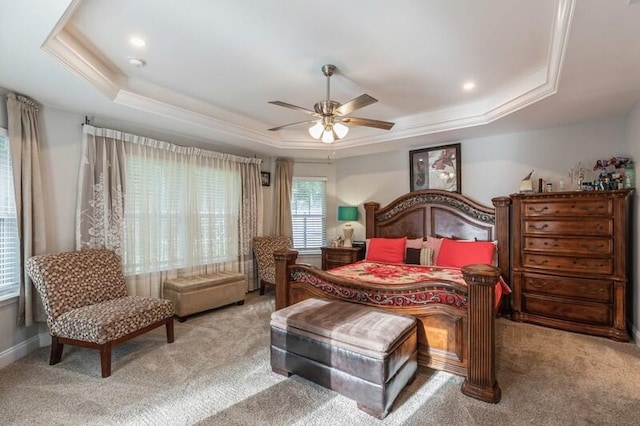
292	124
354	104
286	105
386	125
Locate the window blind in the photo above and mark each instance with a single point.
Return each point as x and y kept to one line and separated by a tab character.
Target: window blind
308	212
9	243
179	214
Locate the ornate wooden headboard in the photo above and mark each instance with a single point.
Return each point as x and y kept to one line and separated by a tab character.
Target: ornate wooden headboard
443	214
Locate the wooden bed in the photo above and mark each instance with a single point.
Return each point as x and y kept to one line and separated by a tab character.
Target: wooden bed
460	341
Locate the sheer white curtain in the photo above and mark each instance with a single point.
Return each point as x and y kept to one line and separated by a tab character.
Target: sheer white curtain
182	208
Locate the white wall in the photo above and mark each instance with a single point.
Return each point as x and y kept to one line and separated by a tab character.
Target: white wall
633	142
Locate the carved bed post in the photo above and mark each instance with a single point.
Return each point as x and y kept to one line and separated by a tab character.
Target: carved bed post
481	382
283	260
502	230
502	206
370	208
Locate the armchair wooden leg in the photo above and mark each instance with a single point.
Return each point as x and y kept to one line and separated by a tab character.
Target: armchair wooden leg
56	351
261	288
105	359
169	327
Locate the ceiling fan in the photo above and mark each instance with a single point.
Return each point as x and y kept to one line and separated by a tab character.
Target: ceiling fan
331	114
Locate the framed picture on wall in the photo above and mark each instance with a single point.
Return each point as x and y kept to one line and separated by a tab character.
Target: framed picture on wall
435	168
266	178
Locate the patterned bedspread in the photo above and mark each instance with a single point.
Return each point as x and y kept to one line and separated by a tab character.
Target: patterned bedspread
417	285
387	273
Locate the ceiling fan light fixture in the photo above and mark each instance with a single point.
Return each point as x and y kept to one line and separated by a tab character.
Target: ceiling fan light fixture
340	129
328	136
316	130
330	115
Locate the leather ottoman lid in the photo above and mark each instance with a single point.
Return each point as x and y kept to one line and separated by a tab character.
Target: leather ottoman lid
351	323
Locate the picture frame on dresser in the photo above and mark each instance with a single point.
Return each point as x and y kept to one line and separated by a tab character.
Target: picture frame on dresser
436	168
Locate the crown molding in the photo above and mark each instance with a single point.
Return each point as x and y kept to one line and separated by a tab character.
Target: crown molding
67	47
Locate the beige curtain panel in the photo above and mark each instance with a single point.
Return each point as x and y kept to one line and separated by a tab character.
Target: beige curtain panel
24	138
283	184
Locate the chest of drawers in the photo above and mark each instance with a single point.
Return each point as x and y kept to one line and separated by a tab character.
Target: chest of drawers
570	260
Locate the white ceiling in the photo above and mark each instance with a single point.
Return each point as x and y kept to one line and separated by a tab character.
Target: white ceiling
211	67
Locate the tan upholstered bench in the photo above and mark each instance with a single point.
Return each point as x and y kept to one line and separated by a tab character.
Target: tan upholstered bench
200	293
364	353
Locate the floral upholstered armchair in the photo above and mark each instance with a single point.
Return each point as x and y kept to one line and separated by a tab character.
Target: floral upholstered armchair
263	249
86	303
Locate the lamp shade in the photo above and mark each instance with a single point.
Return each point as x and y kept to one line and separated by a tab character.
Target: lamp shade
348	213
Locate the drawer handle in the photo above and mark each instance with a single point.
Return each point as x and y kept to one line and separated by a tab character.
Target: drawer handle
592	246
535	262
538	284
540	227
546	244
537	210
586	289
592	209
587	265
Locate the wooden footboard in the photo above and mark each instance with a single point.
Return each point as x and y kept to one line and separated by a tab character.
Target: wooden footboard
460	341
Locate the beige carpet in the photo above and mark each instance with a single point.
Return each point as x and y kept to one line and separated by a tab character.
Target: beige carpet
217	373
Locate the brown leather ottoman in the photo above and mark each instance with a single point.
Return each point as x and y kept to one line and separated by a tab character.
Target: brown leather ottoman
203	292
364	353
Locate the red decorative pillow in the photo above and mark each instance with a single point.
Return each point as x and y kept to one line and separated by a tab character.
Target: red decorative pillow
390	250
460	253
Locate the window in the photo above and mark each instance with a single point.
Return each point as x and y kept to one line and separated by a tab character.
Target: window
179	215
9	244
309	212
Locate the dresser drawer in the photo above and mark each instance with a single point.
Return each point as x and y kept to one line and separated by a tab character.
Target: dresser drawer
569	263
332	257
584	226
566	309
602	207
568	245
339	257
587	289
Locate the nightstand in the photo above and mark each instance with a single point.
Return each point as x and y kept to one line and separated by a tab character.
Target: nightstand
332	257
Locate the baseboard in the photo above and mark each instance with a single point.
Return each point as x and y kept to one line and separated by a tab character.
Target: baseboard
44	338
18	351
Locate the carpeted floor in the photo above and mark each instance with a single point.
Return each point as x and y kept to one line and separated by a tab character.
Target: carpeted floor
217	373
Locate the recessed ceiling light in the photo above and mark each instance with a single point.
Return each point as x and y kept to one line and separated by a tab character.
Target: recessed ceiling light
469	85
137	41
137	62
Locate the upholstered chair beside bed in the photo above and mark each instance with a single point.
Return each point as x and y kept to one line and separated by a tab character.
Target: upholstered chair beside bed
85	299
263	249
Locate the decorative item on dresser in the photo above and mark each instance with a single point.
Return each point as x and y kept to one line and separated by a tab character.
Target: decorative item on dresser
348	214
332	257
571	260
